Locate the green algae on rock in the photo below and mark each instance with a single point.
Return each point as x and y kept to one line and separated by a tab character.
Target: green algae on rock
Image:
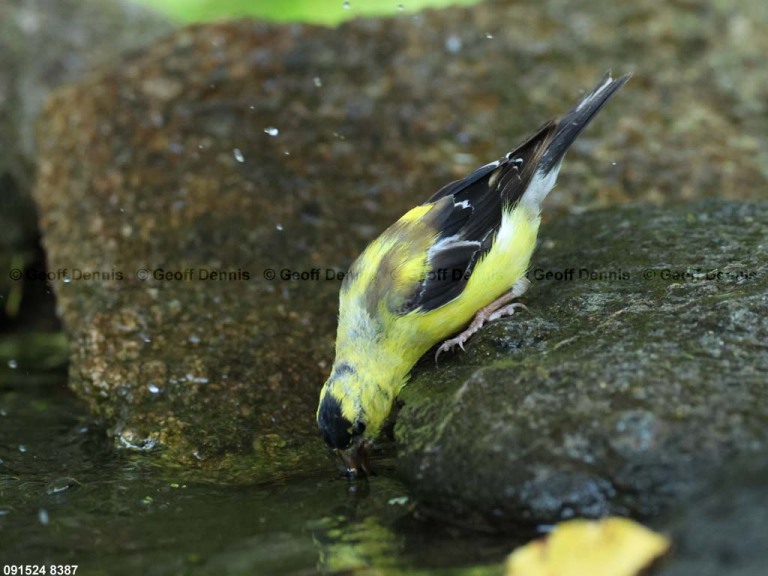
637	372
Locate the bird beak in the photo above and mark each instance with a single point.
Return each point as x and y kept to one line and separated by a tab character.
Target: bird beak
356	458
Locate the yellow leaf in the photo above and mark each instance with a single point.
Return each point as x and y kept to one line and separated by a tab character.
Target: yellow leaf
608	547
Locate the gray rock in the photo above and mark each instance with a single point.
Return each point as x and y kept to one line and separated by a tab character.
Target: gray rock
48	43
44	44
722	530
623	386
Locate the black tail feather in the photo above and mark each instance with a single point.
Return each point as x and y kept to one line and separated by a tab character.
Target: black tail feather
572	123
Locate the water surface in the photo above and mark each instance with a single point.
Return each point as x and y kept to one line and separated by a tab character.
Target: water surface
67	497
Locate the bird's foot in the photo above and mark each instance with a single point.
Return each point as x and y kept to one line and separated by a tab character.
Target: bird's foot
495	310
451	343
507	310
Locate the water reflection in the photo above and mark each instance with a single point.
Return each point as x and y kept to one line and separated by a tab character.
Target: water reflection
69	498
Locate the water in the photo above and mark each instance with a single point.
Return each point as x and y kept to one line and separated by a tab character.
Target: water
70	498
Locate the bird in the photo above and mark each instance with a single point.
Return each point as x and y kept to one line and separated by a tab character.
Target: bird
436	276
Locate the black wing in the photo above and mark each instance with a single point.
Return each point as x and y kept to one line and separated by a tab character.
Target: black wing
468	224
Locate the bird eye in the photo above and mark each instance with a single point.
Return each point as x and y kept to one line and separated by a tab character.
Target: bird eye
358	428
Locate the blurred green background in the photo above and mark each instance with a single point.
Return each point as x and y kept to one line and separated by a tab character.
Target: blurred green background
329	12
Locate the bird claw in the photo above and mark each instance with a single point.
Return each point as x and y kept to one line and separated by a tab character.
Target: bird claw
507	311
495	310
450	346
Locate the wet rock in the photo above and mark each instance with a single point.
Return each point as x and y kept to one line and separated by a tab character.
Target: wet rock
722	529
44	44
638	370
246	147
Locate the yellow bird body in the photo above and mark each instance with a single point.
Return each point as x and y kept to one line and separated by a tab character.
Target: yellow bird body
463	254
411	335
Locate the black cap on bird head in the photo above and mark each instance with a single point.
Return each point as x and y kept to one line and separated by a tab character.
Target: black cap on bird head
345	436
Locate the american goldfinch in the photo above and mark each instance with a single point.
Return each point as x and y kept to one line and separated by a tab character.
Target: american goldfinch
456	261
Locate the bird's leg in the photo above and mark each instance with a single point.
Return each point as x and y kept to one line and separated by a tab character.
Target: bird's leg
495	310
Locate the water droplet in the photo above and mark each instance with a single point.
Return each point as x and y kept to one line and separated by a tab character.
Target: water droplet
42	515
22	448
453	44
614	163
194	339
287	153
271	131
346	6
153	388
400	7
237	153
489	35
279	227
66	279
318	82
12	364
